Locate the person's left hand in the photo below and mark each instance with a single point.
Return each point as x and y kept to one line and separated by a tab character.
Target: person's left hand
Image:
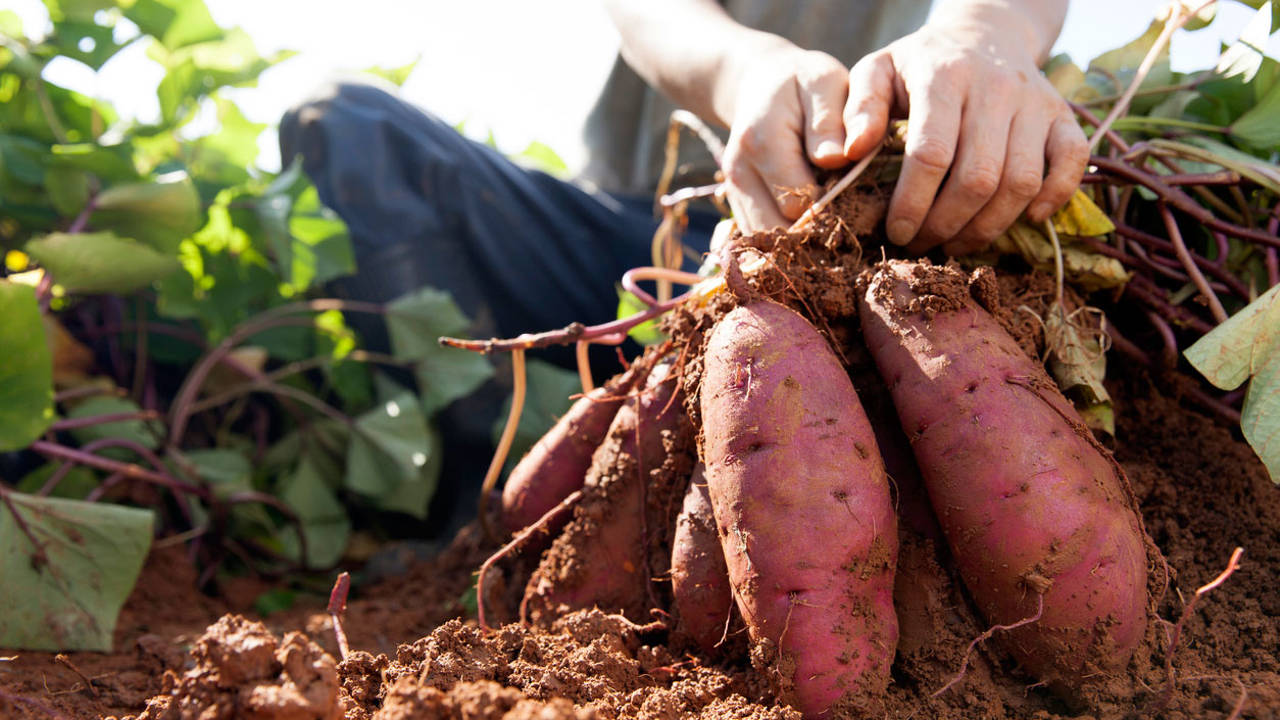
982	123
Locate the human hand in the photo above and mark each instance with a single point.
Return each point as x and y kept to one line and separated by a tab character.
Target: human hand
981	124
786	114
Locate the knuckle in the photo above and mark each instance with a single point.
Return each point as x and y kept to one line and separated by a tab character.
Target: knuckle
980	179
1024	184
931	152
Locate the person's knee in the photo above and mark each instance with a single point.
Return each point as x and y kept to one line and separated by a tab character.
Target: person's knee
341	107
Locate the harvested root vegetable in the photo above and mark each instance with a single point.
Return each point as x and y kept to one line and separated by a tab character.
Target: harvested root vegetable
803	510
699	578
600	560
1040	519
557	464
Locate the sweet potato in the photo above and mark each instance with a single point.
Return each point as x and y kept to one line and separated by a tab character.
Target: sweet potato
557	464
1032	507
600	558
802	508
699	578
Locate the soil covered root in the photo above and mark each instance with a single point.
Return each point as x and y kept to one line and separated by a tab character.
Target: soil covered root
243	671
622	529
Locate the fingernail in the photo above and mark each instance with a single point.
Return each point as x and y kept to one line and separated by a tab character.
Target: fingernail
900	232
1039	212
828	149
855	129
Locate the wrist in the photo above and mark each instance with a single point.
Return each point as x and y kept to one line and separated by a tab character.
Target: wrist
746	51
1012	28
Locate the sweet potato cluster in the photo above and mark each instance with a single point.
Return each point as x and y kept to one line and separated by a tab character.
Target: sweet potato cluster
736	482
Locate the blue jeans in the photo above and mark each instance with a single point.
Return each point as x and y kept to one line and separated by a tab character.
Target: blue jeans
519	250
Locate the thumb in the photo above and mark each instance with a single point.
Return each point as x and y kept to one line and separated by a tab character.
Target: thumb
866	114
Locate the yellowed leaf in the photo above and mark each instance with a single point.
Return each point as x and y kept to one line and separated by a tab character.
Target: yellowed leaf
1083	268
1082	218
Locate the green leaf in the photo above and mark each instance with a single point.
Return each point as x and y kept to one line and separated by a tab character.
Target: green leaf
540	156
68	189
415	323
65	592
99	262
75	485
1247	346
647	332
110	163
175	23
26	369
160	213
396	75
547	393
78	10
86	41
393	457
144	433
1260	126
274	601
1122	64
322	516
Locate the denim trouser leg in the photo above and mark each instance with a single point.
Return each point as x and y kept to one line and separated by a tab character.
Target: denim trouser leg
519	250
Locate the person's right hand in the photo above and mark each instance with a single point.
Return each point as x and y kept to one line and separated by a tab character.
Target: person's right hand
787	112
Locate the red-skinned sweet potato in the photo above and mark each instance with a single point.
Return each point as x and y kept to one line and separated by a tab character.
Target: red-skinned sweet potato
699	578
600	558
803	509
1030	504
557	464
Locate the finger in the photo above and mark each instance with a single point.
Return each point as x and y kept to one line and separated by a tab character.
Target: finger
824	88
1068	154
933	124
754	206
1020	182
871	96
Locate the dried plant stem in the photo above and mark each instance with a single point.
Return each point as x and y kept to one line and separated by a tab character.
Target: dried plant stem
1178	17
504	443
337	606
840	186
631	278
1175	235
584	365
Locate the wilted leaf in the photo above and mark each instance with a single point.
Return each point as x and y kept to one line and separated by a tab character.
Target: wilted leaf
65	592
1082	218
415	322
1082	267
160	213
1247	346
26	369
99	262
1078	364
1068	79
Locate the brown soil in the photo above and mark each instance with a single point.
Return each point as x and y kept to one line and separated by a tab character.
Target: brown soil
419	653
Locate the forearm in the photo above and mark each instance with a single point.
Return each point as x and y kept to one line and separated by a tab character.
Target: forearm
1032	25
691	50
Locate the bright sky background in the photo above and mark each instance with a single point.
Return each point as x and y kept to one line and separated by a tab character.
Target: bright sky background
523	70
